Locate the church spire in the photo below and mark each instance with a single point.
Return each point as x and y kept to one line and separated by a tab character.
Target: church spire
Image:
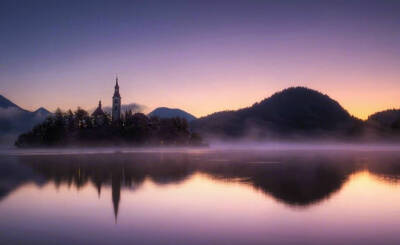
116	102
116	82
116	90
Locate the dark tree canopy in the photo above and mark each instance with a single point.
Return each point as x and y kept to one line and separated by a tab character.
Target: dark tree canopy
80	128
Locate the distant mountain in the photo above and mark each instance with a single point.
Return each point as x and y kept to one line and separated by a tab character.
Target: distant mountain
42	112
296	111
5	103
164	112
14	119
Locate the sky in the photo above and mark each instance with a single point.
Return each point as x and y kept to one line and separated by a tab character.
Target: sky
199	56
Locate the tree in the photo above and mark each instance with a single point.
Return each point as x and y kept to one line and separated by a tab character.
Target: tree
80	116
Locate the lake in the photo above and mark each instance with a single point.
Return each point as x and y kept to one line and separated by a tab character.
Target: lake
200	196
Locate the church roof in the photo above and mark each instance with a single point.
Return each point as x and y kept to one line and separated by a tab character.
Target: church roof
98	110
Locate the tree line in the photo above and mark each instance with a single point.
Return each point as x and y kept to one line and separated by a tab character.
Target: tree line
82	129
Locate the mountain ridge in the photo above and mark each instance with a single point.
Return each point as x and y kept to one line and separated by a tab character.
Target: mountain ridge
6	103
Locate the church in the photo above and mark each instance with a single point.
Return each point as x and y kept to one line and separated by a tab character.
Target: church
99	114
116	103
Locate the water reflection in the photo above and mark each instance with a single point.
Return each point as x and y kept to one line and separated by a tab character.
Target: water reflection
297	179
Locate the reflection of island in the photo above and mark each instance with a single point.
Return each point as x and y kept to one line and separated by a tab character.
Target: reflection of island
294	179
115	170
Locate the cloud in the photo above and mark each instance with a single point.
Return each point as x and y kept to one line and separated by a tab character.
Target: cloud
9	112
125	107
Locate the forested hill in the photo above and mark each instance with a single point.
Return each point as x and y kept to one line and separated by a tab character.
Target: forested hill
384	124
388	118
296	111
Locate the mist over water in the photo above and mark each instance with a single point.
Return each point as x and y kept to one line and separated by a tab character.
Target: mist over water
214	145
272	193
308	145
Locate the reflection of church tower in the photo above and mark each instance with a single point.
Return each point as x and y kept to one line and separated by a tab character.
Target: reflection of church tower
98	183
116	193
116	104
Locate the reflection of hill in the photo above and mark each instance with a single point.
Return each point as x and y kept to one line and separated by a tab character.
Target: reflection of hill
13	175
295	179
386	168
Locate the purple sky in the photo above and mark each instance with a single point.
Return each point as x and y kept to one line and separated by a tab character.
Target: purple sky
200	56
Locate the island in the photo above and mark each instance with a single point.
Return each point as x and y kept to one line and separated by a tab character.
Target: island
79	128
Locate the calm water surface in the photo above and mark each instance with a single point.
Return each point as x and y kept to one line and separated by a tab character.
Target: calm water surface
200	197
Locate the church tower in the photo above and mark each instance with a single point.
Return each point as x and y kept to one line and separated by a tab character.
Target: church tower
116	104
